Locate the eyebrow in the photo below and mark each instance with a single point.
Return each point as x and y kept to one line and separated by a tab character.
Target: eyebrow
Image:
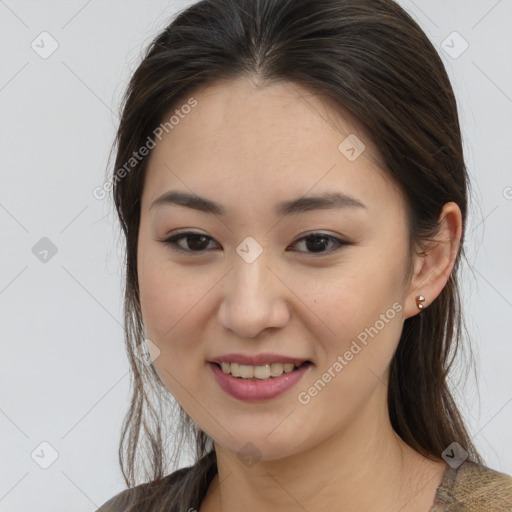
328	200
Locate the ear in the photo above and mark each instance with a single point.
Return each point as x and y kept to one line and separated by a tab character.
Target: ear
434	264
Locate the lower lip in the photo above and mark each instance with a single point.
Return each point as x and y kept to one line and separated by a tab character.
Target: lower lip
255	390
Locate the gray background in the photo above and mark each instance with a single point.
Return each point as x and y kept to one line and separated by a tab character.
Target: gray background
63	369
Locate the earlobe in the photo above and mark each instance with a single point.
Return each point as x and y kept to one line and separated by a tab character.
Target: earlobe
434	265
419	301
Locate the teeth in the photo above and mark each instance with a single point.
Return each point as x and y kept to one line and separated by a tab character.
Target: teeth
235	369
259	372
262	372
246	372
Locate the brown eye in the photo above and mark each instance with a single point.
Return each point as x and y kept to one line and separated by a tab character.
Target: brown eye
195	242
316	243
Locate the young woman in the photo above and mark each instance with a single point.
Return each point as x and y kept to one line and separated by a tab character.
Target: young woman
291	184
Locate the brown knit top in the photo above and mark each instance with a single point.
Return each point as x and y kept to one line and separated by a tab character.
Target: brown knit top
469	488
473	488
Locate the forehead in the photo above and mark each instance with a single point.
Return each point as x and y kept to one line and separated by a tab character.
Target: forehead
253	113
243	136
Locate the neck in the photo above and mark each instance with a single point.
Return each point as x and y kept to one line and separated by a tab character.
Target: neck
365	466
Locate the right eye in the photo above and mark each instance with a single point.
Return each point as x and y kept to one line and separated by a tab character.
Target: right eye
196	242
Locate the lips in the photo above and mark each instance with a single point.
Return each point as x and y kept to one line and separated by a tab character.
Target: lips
254	390
257	360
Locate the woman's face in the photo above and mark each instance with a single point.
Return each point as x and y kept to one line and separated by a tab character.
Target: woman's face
258	282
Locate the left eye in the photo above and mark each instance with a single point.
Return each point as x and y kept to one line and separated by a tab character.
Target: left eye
197	242
320	241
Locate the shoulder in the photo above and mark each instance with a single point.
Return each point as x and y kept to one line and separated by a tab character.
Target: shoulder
186	485
474	486
129	498
117	503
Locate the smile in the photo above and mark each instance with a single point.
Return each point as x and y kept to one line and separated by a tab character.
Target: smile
262	372
254	388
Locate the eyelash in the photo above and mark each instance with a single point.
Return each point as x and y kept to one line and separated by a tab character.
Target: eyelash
172	242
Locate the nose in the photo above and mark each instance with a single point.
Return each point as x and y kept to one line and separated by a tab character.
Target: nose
254	299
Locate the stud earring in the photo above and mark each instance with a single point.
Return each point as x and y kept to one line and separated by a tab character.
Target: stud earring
419	300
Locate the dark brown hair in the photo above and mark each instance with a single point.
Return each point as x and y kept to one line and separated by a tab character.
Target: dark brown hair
370	58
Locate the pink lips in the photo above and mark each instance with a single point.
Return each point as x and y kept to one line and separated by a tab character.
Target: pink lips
256	390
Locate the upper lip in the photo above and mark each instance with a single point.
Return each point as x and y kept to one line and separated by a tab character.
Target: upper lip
257	360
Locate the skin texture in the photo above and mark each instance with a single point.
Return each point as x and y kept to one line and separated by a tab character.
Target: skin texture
250	147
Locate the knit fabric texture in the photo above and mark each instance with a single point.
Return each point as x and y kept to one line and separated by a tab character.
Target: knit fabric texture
472	487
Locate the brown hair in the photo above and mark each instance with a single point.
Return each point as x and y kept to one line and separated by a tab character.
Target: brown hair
373	60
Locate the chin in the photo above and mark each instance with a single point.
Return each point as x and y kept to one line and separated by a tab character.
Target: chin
251	447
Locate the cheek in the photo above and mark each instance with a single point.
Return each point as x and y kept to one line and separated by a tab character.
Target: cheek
364	311
352	294
170	308
157	297
358	308
167	293
175	309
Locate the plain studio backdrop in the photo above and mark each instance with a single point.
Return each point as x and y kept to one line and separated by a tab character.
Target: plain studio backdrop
63	369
